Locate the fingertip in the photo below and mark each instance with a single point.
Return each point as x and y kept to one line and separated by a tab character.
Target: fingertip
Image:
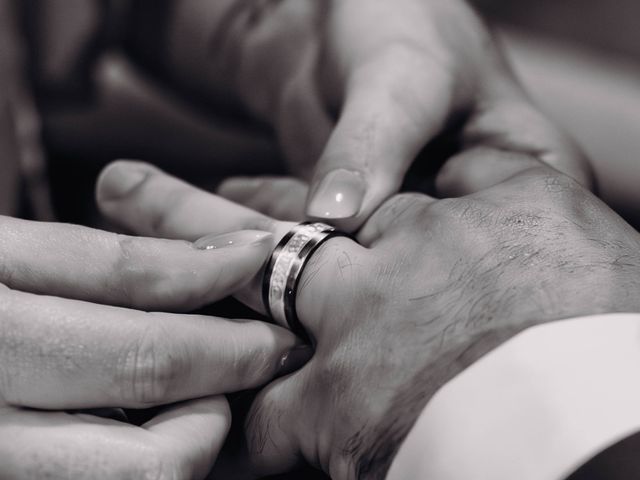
121	178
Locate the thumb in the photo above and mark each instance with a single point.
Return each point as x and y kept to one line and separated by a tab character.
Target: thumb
386	120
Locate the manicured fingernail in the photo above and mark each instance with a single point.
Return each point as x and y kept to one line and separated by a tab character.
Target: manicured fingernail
229	240
120	179
294	359
339	195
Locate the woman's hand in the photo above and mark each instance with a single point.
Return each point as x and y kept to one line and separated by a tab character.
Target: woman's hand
73	336
355	89
433	286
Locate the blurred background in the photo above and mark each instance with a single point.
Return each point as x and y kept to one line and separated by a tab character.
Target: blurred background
580	59
607	26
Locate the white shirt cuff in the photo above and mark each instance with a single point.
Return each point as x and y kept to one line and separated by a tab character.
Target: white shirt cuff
537	407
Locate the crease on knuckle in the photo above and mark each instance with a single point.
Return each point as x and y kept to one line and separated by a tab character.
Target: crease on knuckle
152	284
148	370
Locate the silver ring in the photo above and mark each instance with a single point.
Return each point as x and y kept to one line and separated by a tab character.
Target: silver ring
285	267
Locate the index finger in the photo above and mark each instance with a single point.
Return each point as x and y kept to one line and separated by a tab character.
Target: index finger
86	264
184	211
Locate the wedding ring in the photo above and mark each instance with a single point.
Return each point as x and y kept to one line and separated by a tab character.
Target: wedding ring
285	267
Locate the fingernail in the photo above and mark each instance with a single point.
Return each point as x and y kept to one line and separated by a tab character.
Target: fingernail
294	359
229	240
120	179
339	195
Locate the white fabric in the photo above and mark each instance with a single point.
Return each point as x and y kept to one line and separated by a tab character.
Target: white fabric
536	408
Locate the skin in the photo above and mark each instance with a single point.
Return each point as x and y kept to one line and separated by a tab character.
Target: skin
349	98
75	335
431	286
344	96
357	87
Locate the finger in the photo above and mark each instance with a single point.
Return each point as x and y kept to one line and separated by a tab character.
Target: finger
393	218
86	264
273	428
503	138
278	197
182	211
149	202
480	168
37	444
182	443
192	434
65	354
302	122
387	118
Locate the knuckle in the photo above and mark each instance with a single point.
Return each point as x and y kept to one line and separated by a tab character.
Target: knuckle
547	182
148	370
559	183
176	289
154	284
126	270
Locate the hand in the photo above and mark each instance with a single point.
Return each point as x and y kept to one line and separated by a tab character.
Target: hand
71	338
433	286
354	91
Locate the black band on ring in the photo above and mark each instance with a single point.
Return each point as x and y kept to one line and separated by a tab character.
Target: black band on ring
292	285
272	262
287	300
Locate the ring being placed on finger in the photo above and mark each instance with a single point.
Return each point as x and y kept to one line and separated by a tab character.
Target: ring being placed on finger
285	267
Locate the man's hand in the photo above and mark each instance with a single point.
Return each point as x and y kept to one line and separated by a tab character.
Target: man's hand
433	286
72	338
355	89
